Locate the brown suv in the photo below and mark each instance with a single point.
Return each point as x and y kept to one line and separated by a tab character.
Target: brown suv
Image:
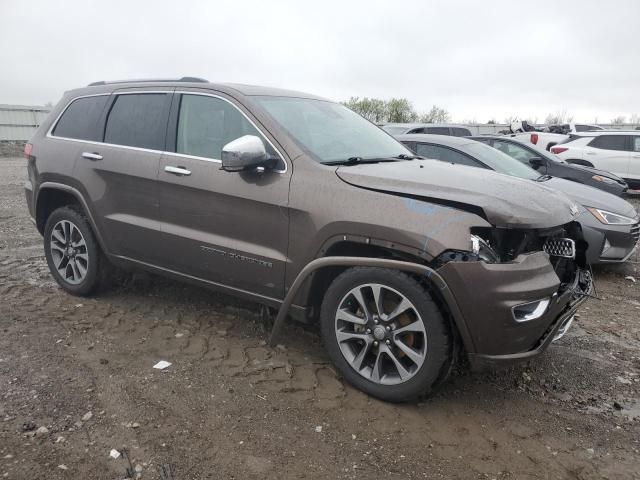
300	204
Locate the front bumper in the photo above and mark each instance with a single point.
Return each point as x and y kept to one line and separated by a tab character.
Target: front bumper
486	293
608	243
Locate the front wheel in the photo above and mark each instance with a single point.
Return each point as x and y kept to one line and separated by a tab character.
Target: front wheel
385	333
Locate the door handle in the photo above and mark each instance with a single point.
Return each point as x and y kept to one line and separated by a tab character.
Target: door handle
91	156
590	153
177	171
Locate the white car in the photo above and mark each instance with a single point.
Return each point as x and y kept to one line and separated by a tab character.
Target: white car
615	151
547	137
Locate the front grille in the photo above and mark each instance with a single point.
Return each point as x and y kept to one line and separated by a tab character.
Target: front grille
635	231
560	247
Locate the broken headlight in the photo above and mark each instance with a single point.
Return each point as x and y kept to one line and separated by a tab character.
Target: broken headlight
483	250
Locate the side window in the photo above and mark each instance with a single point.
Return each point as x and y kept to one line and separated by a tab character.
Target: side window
461	132
445	154
437	130
582	128
137	120
206	124
636	144
609	142
514	151
80	119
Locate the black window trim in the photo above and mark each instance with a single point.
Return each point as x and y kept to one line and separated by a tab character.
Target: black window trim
174	93
464	154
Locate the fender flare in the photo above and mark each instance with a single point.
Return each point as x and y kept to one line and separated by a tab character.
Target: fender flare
323	262
76	193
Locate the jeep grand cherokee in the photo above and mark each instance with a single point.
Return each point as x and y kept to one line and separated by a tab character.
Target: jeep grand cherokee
300	204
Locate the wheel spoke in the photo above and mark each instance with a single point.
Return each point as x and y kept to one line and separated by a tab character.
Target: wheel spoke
402	307
82	271
57	247
415	326
59	236
377	298
402	371
343	336
346	316
62	264
377	365
363	304
357	361
82	256
74	269
414	356
67	230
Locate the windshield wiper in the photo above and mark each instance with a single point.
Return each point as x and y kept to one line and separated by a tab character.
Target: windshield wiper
358	160
404	156
543	178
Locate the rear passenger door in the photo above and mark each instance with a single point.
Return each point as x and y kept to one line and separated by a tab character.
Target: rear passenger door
120	172
609	152
223	227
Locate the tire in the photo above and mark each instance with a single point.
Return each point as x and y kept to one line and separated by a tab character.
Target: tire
420	327
81	254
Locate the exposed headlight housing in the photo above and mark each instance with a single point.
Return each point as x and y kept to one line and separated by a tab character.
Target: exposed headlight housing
483	250
610	218
600	178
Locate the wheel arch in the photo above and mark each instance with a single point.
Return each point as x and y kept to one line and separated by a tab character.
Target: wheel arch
52	196
338	263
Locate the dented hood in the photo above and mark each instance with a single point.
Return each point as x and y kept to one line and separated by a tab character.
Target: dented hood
506	201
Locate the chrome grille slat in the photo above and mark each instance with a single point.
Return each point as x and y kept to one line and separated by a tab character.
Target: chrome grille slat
560	247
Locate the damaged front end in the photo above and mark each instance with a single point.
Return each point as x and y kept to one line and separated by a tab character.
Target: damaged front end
517	289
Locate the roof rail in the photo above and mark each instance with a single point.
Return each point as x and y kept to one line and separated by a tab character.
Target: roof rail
183	79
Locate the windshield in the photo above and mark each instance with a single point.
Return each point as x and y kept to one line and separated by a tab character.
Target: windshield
330	131
500	162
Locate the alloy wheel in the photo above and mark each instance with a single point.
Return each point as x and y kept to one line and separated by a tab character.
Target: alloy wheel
380	334
69	252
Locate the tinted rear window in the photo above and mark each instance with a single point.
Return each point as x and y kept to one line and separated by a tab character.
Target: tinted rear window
445	154
461	132
80	119
437	130
610	142
137	120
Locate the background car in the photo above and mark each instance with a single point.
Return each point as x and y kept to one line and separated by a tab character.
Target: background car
549	164
616	151
431	128
610	224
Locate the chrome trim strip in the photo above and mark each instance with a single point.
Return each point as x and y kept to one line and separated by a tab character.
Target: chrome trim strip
173	154
540	310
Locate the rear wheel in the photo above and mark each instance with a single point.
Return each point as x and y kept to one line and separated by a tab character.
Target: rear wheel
385	334
72	252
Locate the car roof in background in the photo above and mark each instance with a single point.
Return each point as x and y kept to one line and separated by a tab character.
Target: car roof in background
597	133
413	125
519	141
431	138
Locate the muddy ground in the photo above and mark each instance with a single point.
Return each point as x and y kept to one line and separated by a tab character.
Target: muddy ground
231	407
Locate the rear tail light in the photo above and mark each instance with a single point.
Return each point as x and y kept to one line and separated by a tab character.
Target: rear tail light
557	150
534	138
27	151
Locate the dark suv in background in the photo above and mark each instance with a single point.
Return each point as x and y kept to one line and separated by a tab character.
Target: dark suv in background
300	204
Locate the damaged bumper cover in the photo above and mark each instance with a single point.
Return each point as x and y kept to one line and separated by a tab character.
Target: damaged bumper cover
494	301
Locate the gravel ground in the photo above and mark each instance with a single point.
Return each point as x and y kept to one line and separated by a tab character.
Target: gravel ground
76	381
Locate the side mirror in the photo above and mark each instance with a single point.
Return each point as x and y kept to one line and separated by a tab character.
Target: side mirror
244	153
537	162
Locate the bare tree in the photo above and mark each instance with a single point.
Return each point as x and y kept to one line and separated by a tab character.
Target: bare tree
561	116
634	119
435	115
619	120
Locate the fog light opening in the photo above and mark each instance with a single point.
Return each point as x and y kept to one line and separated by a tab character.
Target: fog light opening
530	311
606	245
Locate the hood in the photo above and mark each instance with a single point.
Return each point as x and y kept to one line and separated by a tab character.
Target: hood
506	201
592	197
594	171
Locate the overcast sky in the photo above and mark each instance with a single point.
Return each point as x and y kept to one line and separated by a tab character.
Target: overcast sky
477	59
